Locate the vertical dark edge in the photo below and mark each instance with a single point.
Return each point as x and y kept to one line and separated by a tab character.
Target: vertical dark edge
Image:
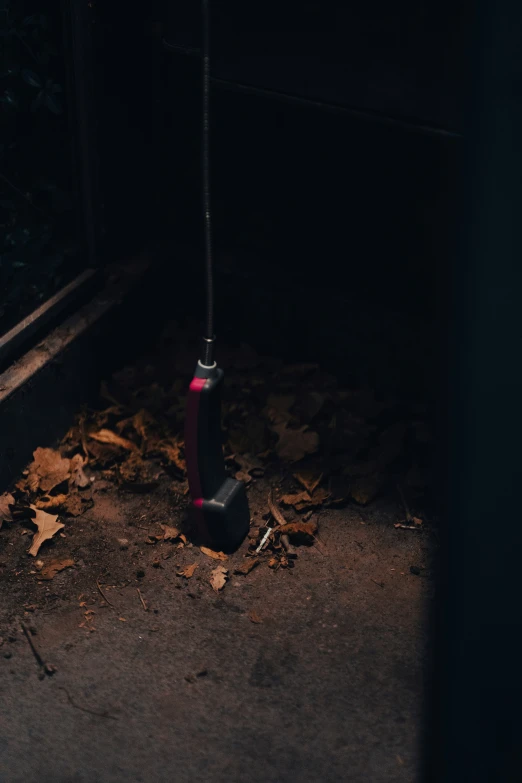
475	726
78	34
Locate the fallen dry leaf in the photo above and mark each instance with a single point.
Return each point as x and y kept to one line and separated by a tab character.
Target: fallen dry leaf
254	617
53	567
241	475
249	464
278	407
47	527
298	528
131	470
78	477
366	488
298	500
246	567
188	571
6	500
171	450
293	445
70	504
309	479
47	471
111	438
169	533
180	488
50	503
214	555
73	506
218	578
303	500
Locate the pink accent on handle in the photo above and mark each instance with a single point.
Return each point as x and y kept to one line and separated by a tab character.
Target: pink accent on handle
191	438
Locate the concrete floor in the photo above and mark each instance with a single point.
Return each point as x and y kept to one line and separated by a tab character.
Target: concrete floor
328	687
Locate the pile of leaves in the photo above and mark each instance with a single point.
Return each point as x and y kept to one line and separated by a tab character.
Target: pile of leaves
328	445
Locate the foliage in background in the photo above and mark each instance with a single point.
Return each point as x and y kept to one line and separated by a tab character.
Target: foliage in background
37	234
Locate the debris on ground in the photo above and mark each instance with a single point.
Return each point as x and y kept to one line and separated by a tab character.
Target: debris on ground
47	525
290	428
188	571
54	567
45	668
211	553
218	578
6	501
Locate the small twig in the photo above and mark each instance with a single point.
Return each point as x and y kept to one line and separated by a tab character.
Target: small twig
380	584
279	518
86	709
142	599
399	526
98	585
45	668
290	548
264	540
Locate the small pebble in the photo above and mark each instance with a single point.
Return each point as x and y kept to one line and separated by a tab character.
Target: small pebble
8	655
140	573
415	570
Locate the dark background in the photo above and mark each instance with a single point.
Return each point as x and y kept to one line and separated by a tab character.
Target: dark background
340	203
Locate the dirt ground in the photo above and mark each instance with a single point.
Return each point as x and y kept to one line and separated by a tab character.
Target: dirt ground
306	668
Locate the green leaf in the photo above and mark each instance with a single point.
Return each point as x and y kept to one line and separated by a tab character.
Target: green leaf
31	78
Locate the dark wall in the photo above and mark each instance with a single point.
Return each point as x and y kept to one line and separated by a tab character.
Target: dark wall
342	203
405	58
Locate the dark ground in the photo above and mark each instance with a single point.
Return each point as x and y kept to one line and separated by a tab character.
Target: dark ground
322	682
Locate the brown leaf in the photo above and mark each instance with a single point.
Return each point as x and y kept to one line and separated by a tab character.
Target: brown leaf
47	471
132	469
218	578
6	500
171	450
249	464
246	478
169	533
366	488
179	488
73	506
278	407
299	500
51	503
53	567
111	438
188	571
309	479
47	527
69	504
254	617
212	554
246	567
298	528
293	445
78	477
